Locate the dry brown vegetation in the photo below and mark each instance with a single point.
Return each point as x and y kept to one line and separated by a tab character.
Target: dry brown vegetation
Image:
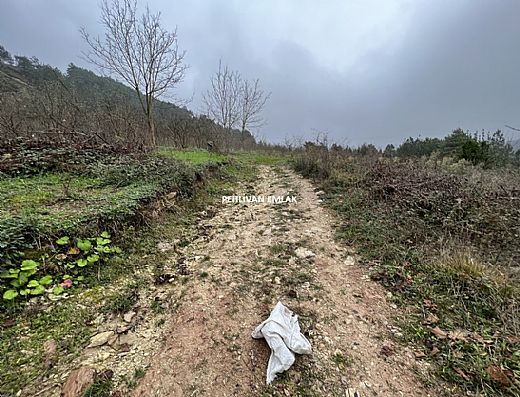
442	236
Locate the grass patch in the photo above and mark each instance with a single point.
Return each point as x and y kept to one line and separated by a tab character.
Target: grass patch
196	157
21	345
123	300
85	192
100	388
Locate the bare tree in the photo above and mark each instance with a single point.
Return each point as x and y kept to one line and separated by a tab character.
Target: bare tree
139	51
234	102
252	101
223	99
181	129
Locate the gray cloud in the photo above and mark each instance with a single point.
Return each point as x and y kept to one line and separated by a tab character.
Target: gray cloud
364	71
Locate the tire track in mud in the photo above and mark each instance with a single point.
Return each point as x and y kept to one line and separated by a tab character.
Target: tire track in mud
246	258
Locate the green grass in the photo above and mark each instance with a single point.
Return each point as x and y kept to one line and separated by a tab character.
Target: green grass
197	157
194	157
60	201
100	388
21	345
122	301
29	194
101	192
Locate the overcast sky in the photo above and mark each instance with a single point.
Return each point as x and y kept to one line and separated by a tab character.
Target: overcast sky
360	70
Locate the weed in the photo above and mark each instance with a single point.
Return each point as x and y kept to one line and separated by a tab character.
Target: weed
139	373
123	301
341	360
157	307
278	249
100	388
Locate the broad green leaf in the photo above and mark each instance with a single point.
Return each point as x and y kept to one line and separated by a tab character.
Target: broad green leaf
82	262
80	278
28	265
10	294
46	280
63	240
9	274
24	292
103	249
105	235
84	245
67	277
23	278
57	290
93	258
40	289
117	250
33	283
102	241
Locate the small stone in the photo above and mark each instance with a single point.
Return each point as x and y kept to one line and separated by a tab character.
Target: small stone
128	317
349	261
49	348
102	356
98	320
113	340
303	253
127	339
78	382
165	246
100	339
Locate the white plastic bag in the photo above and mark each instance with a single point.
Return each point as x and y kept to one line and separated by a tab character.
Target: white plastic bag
282	333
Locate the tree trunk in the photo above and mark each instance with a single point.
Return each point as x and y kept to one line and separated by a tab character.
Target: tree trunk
151	122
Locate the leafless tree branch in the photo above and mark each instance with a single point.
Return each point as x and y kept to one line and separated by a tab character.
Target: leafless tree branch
139	51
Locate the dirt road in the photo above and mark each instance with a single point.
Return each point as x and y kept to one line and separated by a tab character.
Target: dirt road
246	258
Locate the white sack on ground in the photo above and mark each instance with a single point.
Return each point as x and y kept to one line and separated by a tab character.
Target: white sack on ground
282	333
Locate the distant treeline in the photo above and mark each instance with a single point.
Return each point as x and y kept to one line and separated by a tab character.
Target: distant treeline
484	148
41	102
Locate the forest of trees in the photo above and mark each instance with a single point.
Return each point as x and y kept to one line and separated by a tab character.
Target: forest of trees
39	101
484	148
